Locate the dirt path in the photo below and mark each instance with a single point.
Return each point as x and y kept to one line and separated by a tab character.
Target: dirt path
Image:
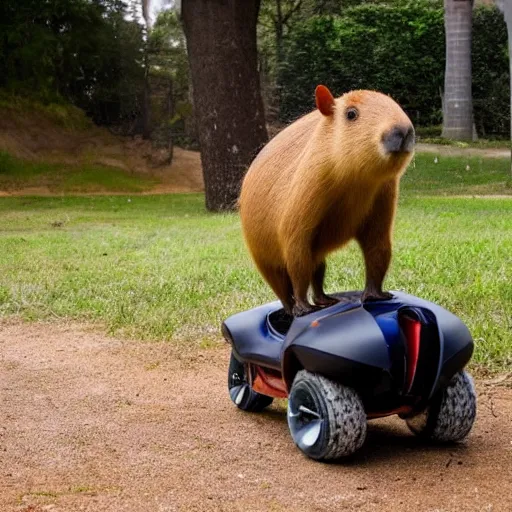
442	149
97	424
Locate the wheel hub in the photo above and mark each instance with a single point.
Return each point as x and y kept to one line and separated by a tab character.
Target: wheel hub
305	424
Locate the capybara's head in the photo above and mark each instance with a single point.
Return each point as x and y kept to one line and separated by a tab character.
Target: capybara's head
369	132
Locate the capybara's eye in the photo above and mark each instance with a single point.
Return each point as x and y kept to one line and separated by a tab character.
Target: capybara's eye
352	114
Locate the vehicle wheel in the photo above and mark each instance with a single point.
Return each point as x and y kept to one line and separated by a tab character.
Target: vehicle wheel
452	413
241	393
326	420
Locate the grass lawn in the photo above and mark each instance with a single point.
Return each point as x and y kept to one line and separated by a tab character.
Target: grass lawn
457	176
160	267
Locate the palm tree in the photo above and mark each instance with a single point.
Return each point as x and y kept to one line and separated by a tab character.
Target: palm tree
458	104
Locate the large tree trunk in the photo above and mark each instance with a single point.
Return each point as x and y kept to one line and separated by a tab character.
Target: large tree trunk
506	8
458	103
221	42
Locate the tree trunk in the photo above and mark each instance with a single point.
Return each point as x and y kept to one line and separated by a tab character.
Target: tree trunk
506	8
146	104
279	30
221	42
458	103
160	110
146	111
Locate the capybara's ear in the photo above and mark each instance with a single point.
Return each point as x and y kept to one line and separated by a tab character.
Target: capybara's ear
324	100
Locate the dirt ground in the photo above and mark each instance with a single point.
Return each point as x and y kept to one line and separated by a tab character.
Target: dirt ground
93	423
442	149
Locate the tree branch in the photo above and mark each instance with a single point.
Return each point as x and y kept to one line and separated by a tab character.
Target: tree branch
268	26
292	11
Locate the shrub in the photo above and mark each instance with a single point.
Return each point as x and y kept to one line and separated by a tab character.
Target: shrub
398	49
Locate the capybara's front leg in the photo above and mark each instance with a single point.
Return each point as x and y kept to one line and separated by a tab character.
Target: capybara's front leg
374	237
300	268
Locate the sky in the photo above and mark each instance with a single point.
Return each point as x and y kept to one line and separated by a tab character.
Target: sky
155	6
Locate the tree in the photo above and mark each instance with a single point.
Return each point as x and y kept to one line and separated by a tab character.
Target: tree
274	22
81	51
280	12
168	40
506	7
458	104
490	70
278	20
221	44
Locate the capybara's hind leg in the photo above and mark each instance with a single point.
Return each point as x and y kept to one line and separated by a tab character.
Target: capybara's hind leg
279	281
300	275
320	298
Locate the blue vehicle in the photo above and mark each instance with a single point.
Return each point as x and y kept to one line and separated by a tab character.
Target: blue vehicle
353	361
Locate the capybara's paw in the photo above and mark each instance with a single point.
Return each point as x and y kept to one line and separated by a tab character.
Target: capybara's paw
301	309
325	300
369	296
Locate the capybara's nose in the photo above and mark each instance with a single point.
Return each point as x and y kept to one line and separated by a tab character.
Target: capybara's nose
400	139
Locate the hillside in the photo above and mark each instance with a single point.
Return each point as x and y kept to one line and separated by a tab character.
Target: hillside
52	149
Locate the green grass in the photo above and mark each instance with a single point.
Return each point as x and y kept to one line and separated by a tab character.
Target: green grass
161	267
457	175
60	178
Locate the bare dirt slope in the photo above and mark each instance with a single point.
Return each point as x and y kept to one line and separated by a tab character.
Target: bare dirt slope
36	136
98	424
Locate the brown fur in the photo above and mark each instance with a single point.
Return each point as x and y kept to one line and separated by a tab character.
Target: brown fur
319	183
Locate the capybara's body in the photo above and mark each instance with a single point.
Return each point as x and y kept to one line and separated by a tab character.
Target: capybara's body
329	177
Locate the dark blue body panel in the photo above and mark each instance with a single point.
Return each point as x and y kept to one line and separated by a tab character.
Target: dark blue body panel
358	344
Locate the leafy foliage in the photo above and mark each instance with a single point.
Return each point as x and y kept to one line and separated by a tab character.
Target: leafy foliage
85	52
396	47
167	51
91	53
491	89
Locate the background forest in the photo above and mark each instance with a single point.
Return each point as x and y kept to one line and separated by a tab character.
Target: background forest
99	55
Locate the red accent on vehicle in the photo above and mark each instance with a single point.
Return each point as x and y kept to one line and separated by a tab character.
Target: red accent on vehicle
412	331
268	382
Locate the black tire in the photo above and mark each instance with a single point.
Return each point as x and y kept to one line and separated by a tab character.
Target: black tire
451	414
327	420
241	393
